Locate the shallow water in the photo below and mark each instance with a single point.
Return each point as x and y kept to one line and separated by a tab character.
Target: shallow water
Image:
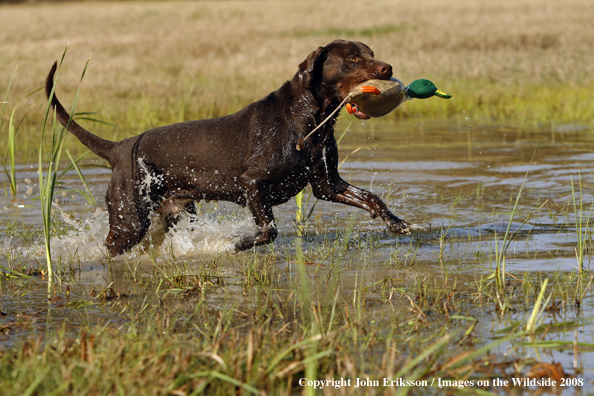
458	182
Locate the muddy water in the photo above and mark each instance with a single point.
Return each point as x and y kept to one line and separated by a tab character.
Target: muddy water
459	182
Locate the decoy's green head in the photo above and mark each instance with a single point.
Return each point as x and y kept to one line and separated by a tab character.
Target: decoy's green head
423	89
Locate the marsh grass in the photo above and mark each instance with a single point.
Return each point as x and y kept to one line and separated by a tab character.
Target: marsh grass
155	352
11	146
10	143
500	254
582	224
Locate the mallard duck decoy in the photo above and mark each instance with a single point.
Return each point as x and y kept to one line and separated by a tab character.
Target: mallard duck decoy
376	98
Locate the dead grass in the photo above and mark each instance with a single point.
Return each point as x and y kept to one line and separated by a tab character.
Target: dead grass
161	62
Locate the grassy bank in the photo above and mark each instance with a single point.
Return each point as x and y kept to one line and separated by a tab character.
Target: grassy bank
157	63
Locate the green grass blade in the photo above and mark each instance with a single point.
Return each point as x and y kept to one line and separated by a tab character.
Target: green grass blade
90	199
15	273
537	310
6	96
281	355
507	241
439	344
235	382
38	378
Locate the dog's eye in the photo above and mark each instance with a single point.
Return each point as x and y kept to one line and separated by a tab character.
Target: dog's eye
353	58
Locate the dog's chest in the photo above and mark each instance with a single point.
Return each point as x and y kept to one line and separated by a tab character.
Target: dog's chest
288	184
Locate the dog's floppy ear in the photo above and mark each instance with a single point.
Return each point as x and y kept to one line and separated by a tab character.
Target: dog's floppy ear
311	66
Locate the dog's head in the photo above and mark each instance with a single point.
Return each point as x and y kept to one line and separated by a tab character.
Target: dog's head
334	70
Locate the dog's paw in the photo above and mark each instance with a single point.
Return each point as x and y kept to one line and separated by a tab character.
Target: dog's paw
263	236
402	227
245	243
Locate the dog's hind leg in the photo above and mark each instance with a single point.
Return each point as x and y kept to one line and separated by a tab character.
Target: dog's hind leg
263	217
128	216
172	210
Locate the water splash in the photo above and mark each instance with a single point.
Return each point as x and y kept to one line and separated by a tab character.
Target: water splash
86	240
192	235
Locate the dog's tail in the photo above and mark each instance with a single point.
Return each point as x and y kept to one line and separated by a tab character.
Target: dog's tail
99	146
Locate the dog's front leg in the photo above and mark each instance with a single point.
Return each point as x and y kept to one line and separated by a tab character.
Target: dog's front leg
327	184
337	190
262	212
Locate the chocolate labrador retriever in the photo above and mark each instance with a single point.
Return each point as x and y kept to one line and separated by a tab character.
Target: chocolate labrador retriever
249	158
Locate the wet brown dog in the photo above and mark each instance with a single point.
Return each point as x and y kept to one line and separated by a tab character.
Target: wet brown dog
249	157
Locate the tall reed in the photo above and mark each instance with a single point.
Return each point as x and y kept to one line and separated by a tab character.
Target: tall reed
10	140
580	228
507	239
10	171
47	183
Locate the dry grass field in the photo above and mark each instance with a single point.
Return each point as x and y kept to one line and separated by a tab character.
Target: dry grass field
155	63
